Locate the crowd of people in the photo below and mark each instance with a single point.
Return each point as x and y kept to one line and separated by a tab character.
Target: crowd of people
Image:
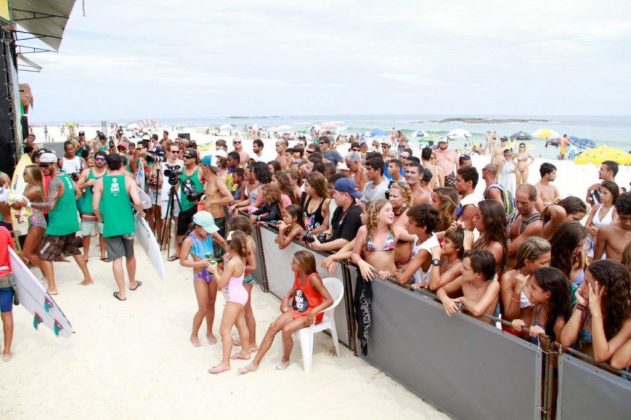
517	250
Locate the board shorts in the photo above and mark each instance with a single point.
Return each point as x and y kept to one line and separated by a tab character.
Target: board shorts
88	221
248	280
54	246
185	219
6	299
119	246
163	208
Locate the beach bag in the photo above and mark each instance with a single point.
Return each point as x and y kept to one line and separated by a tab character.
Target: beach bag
507	198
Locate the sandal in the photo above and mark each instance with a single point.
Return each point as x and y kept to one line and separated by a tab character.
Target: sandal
138	284
118	297
173	258
105	259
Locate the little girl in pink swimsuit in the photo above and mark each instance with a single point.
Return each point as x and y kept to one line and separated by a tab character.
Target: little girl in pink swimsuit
231	279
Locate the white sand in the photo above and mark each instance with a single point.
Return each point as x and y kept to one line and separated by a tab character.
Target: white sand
133	359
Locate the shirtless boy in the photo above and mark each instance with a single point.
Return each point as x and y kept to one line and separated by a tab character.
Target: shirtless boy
546	192
614	237
217	195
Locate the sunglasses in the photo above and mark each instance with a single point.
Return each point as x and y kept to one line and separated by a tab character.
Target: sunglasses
44	165
189	157
236	142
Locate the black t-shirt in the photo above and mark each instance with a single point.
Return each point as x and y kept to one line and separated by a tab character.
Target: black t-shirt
345	226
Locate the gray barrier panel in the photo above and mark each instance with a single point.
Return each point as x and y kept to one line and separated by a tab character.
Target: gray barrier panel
280	278
259	274
469	369
587	392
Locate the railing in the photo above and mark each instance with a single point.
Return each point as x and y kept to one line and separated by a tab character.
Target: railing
467	368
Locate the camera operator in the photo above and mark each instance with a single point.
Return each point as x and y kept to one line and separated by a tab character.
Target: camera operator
71	163
191	189
159	185
346	218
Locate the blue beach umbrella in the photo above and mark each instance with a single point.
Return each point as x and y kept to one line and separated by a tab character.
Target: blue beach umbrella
376	132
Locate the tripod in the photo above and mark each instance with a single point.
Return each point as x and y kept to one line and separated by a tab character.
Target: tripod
166	228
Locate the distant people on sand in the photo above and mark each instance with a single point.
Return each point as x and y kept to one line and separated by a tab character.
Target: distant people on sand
522	160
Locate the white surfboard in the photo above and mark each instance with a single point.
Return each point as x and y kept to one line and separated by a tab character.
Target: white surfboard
144	197
34	298
150	245
20	227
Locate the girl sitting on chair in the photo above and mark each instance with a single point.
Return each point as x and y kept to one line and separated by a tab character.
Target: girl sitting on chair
310	298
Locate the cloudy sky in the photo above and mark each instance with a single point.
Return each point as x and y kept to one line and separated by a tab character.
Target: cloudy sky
201	58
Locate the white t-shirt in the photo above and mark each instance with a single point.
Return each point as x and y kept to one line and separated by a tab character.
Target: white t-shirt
372	193
72	166
421	276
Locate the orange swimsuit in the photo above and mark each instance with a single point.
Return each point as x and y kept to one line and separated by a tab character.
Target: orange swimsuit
306	297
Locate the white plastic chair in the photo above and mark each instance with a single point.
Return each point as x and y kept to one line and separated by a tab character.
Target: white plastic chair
305	335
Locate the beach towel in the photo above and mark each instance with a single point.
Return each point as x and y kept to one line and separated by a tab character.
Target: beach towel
363	315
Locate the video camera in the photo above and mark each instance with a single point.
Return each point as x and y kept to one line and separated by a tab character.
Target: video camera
155	156
310	237
172	172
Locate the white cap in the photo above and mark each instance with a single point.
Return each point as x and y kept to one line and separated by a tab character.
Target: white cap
221	154
341	166
48	157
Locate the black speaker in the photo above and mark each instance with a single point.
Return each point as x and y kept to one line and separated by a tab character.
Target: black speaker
24	122
7	138
186	136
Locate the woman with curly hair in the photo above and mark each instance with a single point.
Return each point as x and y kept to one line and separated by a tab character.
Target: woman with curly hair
568	243
446	201
534	253
490	220
550	293
601	319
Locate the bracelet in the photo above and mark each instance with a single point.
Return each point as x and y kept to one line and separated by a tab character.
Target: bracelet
515	300
580	307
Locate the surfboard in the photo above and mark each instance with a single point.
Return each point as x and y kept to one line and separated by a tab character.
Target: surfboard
34	298
150	245
17	185
144	197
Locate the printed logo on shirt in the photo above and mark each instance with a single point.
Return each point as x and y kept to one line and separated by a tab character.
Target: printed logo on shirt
300	303
114	187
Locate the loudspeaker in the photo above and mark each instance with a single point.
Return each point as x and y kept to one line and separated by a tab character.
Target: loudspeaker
7	139
186	136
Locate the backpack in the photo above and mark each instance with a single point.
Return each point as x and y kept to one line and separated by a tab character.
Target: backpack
507	198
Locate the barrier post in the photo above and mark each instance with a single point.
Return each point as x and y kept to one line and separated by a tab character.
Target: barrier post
547	409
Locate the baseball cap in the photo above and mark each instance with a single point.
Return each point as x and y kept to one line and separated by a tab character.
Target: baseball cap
221	154
384	143
347	185
205	220
341	166
208	161
82	133
48	157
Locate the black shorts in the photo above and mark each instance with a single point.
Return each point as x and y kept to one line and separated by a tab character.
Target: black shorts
184	220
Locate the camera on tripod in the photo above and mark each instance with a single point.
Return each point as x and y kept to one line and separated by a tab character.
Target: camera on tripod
155	156
172	172
193	195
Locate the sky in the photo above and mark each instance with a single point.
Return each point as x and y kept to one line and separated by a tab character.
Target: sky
200	58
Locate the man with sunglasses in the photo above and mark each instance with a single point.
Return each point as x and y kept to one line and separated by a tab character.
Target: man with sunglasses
63	223
86	182
328	152
159	181
447	159
191	183
238	148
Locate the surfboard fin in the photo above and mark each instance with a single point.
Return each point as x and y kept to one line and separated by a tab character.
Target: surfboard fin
37	320
48	304
58	328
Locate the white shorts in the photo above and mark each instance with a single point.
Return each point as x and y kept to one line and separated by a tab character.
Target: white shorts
163	208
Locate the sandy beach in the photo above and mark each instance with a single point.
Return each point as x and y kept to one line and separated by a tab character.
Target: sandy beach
133	360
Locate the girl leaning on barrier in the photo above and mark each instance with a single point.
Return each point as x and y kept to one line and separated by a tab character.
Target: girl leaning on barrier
450	255
601	319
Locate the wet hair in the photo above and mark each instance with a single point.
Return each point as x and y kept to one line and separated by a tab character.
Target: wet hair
296	212
573	205
494	217
262	173
614	277
426	153
623	204
306	261
532	248
469	173
613	188
376	163
563	243
449	201
456	235
372	214
317	181
482	262
424	215
241	223
546	168
612	166
554	281
239	243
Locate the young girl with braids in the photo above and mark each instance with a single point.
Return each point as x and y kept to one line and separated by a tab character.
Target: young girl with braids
549	291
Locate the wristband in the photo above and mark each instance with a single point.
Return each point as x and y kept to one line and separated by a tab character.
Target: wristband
435	262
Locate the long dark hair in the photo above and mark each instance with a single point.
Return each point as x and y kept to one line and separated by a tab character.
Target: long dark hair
552	280
494	217
614	277
563	243
262	173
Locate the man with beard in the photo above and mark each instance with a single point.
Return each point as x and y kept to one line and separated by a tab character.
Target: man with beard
257	148
448	162
526	221
63	222
86	182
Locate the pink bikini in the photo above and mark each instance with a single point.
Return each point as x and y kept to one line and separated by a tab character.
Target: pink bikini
234	290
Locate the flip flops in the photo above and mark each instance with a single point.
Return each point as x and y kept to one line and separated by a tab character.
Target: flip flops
118	297
138	284
173	258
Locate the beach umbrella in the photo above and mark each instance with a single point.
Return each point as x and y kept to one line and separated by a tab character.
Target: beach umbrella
419	133
458	133
546	133
582	143
376	132
600	154
521	136
329	126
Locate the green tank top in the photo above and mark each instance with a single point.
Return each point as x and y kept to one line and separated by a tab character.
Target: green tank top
63	220
116	209
189	183
86	201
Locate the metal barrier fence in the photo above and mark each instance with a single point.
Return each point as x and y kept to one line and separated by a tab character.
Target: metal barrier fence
467	368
